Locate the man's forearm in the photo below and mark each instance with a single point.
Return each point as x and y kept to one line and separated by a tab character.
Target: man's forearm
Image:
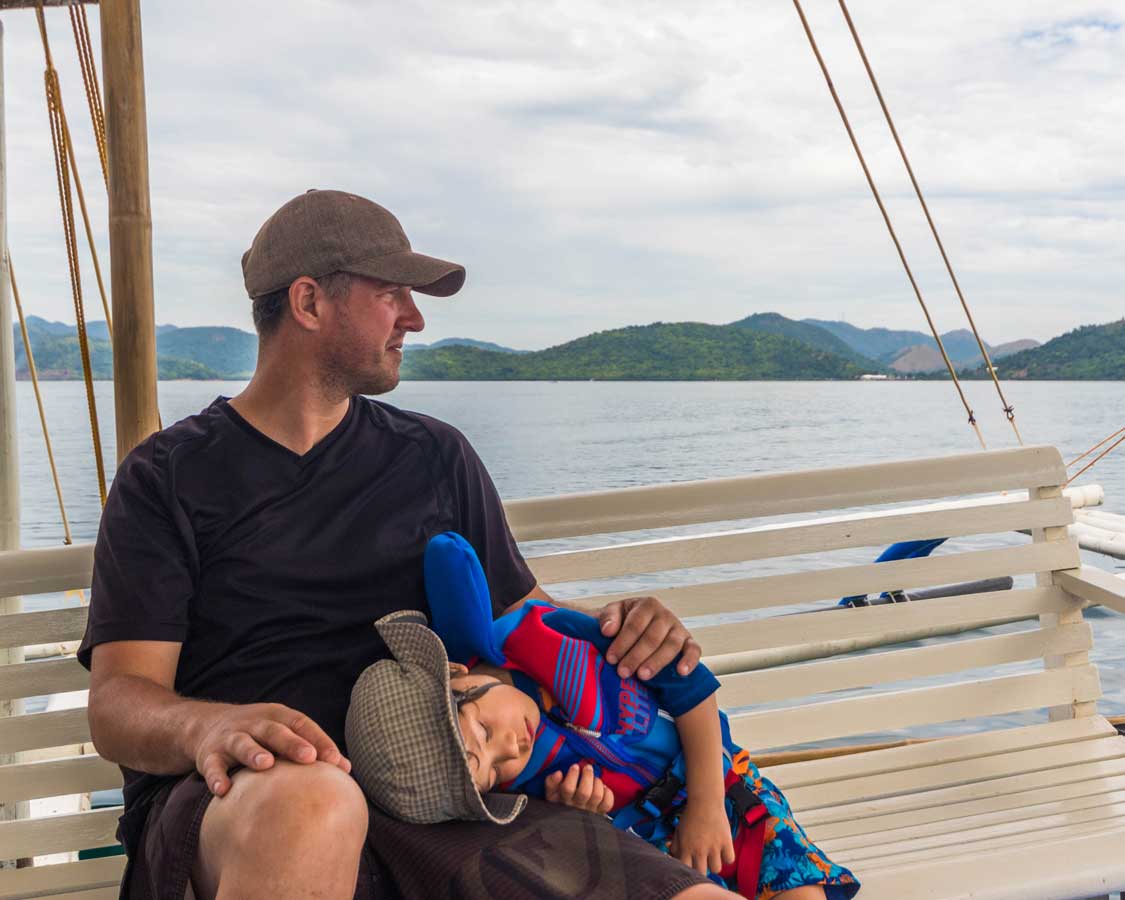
140	724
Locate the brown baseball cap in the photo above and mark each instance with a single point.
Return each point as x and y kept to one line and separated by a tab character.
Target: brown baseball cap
321	232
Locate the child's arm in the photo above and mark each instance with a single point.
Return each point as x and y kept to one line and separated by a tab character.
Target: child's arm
702	839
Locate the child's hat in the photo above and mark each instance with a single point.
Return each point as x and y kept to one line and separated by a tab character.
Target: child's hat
403	738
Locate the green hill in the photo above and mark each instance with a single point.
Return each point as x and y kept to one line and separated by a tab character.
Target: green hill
228	351
663	351
1089	353
59	358
807	333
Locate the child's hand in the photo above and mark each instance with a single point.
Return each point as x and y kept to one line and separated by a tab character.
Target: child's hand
581	789
702	838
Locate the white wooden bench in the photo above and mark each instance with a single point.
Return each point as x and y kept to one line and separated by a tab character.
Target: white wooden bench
1036	811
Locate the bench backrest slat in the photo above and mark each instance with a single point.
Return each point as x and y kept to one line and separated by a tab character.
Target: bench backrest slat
45	626
56	777
795	538
31	731
103	873
813	490
47	676
56	834
807	679
884	712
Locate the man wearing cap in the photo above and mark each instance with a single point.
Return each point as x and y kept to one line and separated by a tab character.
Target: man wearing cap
243	555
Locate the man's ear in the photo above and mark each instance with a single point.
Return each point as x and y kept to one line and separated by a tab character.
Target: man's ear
456	670
304	293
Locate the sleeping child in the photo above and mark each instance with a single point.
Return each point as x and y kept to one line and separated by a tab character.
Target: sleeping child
528	705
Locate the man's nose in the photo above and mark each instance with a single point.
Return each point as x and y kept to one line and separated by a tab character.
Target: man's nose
411	318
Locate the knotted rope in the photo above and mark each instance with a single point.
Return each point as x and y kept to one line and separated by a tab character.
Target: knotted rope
1009	410
64	165
887	219
81	28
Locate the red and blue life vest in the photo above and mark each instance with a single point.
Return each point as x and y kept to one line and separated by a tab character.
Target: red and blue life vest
620	726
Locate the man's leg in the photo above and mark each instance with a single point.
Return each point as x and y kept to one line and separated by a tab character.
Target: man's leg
705	892
291	830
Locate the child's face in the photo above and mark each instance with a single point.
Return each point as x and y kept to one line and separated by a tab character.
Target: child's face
498	729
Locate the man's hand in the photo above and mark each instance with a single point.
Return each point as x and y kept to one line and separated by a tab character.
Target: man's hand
254	735
580	789
648	637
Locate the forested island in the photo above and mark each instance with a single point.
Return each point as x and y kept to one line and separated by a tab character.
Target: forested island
763	346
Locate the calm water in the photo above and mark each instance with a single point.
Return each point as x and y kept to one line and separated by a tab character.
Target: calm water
545	438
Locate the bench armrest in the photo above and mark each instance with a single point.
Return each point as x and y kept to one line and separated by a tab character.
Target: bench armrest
1094	586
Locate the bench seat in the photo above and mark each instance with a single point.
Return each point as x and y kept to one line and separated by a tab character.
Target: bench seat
974	815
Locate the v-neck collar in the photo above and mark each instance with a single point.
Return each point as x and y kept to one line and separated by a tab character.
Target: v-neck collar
299	459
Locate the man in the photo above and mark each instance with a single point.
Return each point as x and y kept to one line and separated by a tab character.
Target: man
244	554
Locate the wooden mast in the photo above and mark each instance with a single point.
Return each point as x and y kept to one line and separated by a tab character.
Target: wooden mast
130	225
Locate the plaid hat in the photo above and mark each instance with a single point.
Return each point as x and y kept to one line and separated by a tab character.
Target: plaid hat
403	739
321	232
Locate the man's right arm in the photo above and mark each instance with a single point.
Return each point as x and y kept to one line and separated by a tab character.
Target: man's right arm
137	720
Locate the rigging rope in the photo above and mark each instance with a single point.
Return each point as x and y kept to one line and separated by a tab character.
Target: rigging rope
68	539
81	27
1099	457
60	141
1009	410
887	220
73	163
1095	447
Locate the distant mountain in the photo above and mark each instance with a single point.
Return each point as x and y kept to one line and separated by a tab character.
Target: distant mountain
59	357
661	351
875	343
462	342
807	333
229	351
1092	352
912	352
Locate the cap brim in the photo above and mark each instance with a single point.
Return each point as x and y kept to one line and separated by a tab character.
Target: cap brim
426	274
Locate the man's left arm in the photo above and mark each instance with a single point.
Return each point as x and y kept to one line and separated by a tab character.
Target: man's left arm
647	635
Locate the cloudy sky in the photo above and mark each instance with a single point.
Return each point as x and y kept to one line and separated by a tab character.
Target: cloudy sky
602	164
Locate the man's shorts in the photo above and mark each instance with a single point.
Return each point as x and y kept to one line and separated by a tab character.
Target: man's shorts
550	851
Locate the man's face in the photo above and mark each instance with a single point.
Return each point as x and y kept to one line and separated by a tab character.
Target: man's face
362	348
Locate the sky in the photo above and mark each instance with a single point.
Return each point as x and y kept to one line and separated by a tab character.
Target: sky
596	165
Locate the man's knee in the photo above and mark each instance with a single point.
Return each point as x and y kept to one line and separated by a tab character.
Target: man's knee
317	807
288	796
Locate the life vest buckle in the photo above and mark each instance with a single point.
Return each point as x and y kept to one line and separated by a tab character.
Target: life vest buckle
743	800
659	796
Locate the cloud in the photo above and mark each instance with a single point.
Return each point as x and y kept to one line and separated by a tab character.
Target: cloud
596	165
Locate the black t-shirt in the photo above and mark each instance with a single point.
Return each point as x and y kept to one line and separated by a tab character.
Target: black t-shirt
270	567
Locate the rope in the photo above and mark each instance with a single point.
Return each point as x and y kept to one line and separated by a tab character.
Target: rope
60	141
68	539
890	227
1100	456
1009	410
1095	447
81	27
73	162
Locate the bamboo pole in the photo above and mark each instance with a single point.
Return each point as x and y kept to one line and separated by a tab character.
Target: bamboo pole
9	447
130	225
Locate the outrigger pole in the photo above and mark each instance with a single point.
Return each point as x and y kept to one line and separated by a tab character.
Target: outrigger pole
130	225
